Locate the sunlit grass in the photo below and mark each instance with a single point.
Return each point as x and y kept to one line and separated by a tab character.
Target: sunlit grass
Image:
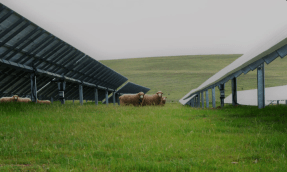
170	138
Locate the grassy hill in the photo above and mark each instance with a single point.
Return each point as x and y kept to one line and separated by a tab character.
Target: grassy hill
71	137
177	75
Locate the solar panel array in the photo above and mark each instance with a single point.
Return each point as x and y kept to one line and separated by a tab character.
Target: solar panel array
129	88
26	48
274	47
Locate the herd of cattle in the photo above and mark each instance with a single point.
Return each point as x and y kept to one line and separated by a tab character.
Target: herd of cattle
142	99
16	98
139	99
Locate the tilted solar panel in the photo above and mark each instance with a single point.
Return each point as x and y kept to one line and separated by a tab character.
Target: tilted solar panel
29	47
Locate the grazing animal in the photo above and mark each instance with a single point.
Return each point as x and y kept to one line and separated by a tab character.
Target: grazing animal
10	99
24	100
154	99
163	100
44	102
134	99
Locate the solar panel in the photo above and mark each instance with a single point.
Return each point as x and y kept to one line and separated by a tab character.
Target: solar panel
26	48
268	51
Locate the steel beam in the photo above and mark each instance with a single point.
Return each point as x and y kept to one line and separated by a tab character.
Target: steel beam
234	91
198	100
202	99
260	86
207	99
33	88
96	96
81	94
222	94
114	98
62	88
213	98
107	97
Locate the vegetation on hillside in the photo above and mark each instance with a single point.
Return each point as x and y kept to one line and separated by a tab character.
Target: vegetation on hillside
177	75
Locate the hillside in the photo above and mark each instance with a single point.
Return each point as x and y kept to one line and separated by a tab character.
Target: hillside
177	75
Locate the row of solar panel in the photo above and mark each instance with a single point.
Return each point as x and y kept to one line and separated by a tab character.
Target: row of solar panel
26	48
248	62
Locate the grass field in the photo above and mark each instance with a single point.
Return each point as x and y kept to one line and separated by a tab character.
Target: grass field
178	75
36	137
171	138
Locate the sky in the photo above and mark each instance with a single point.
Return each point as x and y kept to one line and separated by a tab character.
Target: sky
119	29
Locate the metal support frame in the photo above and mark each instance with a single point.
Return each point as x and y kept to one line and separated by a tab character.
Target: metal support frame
198	100
234	91
96	96
213	97
260	86
33	87
62	88
222	94
202	99
107	97
118	98
81	94
114	98
277	102
286	102
206	99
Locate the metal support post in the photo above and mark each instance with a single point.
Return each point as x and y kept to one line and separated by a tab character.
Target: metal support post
118	98
81	94
33	88
107	97
192	103
73	101
62	88
234	91
202	99
114	98
277	102
213	97
261	86
198	100
222	95
96	96
286	102
207	99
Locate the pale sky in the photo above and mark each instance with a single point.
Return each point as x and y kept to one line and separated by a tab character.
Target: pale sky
116	29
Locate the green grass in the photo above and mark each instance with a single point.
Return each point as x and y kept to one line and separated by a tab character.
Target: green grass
171	138
177	75
36	137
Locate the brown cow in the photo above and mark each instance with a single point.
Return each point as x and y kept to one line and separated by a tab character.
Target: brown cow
154	99
134	99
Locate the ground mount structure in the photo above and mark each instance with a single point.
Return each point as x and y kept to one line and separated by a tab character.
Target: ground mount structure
34	63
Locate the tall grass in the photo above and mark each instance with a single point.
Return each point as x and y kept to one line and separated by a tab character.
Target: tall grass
39	137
